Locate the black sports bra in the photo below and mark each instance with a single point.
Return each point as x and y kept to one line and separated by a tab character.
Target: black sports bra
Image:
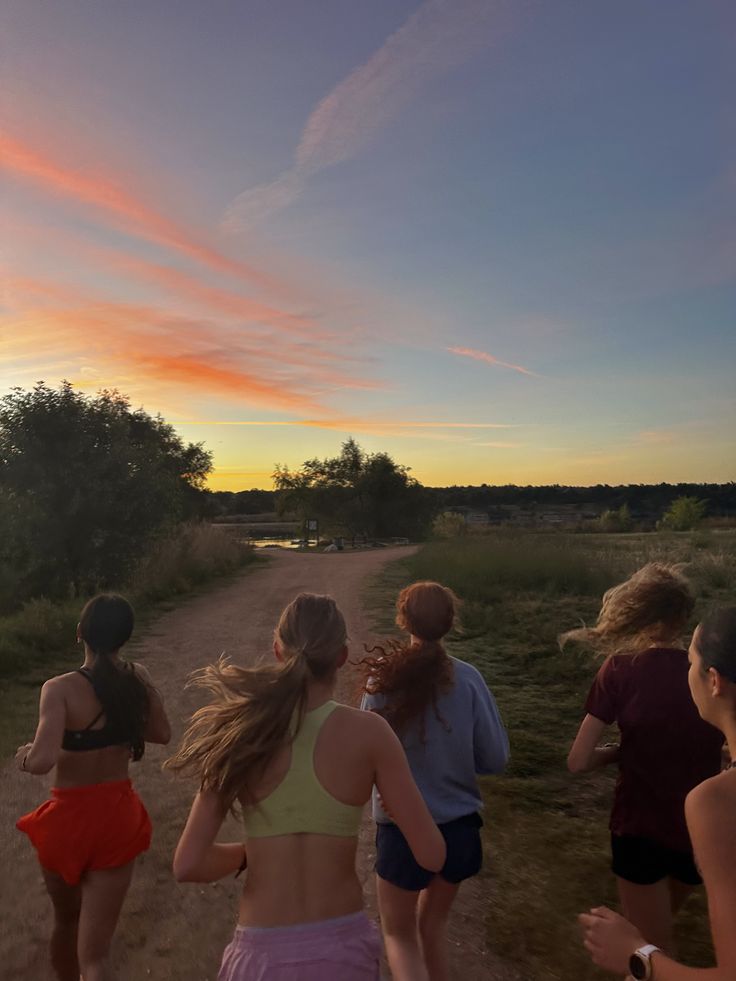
83	739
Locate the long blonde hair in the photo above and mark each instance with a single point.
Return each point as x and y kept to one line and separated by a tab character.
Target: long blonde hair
654	603
255	711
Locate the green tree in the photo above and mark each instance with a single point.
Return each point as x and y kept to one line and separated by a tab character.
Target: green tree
449	524
684	514
86	484
358	494
616	520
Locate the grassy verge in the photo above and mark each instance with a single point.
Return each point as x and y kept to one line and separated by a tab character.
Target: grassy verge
546	834
39	640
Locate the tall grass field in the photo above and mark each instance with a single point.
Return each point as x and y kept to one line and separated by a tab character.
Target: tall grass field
546	832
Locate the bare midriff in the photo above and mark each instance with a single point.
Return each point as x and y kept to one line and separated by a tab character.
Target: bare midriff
299	878
92	766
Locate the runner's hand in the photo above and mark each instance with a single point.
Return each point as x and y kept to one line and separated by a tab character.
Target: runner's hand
21	754
609	939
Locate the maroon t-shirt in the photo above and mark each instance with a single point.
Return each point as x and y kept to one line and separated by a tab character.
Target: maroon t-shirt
666	748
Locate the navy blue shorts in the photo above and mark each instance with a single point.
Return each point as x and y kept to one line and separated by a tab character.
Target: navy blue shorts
644	862
396	864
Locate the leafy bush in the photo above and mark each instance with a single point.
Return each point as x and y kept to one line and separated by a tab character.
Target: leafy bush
191	555
684	514
449	524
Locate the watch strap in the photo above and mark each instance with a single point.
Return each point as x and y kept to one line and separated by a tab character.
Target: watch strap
644	953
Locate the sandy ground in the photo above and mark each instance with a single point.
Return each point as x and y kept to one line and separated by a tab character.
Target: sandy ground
170	931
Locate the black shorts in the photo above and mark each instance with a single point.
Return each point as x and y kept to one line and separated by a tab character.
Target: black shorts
644	862
396	864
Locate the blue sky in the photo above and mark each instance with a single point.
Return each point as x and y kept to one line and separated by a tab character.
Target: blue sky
284	217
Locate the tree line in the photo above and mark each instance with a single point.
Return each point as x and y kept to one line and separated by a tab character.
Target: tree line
88	485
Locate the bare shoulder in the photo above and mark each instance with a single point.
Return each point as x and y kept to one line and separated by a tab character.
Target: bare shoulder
710	809
368	725
58	686
142	672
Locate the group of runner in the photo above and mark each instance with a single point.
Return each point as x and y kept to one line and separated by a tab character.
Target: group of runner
272	743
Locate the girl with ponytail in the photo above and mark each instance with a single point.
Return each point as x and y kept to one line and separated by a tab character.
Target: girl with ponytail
449	726
272	744
92	723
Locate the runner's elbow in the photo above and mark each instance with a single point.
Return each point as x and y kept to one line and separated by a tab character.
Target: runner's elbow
159	733
576	764
185	868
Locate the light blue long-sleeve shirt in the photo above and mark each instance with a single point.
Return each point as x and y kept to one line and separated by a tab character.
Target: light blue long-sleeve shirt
467	739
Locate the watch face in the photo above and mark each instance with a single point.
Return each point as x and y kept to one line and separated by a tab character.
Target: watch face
638	967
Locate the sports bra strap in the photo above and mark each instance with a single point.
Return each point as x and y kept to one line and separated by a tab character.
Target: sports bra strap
86	673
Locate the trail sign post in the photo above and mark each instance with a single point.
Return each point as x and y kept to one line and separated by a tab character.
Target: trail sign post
313	526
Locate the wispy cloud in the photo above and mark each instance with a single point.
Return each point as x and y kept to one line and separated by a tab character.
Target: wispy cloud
501	445
442	431
122	208
158	348
469	352
346	422
655	437
438	37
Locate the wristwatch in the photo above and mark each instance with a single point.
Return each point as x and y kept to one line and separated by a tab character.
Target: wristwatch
640	962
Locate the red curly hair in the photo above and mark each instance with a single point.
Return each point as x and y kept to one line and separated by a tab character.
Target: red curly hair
412	675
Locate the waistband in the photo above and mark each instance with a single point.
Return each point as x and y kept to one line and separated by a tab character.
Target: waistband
300	932
93	789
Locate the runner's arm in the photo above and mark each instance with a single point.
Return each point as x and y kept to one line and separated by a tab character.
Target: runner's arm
585	753
198	857
42	754
712	826
402	799
158	729
490	741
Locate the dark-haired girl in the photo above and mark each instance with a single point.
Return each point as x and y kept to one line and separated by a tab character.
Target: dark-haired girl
449	726
92	722
616	944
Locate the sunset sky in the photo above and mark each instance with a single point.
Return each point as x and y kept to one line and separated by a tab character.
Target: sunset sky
496	239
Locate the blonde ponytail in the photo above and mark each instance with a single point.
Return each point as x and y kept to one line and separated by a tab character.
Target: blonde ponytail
254	712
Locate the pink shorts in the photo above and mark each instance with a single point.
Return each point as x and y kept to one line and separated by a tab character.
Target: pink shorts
344	949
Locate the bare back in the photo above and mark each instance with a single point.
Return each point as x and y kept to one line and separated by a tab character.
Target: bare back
298	878
69	702
93	765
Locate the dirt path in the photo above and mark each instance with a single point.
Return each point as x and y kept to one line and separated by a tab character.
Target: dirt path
170	931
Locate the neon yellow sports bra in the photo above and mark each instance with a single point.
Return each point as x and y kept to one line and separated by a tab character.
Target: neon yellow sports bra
300	804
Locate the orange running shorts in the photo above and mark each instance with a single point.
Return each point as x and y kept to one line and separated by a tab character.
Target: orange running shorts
85	829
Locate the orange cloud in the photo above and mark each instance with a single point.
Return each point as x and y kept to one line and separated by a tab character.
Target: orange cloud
151	347
224	301
469	352
322	365
129	213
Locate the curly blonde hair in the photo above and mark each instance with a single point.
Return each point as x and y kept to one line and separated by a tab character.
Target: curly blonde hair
653	604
